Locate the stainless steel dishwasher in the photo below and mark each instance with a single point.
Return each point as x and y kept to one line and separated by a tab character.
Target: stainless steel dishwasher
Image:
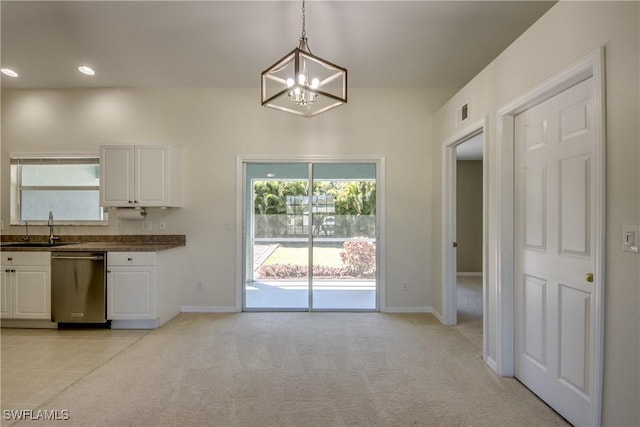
78	287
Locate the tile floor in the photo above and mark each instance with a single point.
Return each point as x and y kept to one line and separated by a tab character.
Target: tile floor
37	364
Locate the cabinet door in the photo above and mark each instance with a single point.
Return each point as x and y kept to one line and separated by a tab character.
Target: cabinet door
130	293
117	175
152	175
32	293
6	294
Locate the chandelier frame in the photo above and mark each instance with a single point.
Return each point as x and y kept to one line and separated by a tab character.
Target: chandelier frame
286	86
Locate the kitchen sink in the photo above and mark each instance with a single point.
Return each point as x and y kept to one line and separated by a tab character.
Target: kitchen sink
32	245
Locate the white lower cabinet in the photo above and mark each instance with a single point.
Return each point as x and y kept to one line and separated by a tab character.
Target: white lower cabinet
143	289
25	285
131	285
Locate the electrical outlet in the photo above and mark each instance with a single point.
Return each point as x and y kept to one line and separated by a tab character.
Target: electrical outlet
147	226
405	286
162	225
119	225
200	286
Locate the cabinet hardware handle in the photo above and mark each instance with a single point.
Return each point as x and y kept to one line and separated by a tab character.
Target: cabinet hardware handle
10	259
129	259
589	277
108	271
7	271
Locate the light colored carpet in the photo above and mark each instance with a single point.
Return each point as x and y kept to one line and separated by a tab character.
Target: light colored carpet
299	369
469	302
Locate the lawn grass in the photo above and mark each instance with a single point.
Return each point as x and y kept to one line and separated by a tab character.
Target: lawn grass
300	256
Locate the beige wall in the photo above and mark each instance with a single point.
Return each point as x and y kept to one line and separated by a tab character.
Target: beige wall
213	126
469	216
567	33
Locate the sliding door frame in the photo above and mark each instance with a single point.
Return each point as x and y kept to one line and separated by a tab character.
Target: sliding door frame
240	220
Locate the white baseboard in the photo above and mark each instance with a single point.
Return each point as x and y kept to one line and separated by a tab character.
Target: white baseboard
438	316
407	310
32	324
214	309
492	363
469	273
207	309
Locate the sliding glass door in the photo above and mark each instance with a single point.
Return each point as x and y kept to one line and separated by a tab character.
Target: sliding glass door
276	236
310	236
344	230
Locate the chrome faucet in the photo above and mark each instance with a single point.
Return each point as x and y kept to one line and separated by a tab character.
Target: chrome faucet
52	238
26	232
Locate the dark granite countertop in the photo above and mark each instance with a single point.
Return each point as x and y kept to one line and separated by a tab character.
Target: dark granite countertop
108	243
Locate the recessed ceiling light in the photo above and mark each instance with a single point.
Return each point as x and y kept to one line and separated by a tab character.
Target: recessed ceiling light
86	70
9	72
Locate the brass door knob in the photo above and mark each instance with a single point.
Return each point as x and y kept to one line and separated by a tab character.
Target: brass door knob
589	277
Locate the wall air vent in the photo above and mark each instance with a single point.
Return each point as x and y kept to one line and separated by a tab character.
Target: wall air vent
462	113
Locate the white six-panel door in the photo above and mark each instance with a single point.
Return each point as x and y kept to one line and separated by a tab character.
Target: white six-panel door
554	252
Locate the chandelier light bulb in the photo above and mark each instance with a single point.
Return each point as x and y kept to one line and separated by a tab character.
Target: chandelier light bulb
290	82
315	83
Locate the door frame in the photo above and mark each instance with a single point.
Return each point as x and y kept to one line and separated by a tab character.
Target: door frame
449	215
591	66
380	214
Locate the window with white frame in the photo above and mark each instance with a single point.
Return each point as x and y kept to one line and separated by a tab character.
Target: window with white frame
69	187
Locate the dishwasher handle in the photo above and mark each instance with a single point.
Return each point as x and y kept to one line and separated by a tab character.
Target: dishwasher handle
90	258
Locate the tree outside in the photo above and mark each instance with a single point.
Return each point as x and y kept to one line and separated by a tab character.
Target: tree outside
343	225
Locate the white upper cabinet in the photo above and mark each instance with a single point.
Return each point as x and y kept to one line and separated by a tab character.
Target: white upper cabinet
140	175
116	175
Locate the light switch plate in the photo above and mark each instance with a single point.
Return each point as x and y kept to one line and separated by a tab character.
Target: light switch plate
147	226
631	238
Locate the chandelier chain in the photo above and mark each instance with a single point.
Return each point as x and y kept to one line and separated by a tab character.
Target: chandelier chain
304	30
304	45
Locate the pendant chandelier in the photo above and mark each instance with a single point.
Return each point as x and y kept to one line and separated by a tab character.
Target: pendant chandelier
302	83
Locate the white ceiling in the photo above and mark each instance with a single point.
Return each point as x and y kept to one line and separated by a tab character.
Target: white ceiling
229	43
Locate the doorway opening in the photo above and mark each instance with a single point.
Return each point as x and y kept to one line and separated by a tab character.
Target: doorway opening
310	236
469	237
464	239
